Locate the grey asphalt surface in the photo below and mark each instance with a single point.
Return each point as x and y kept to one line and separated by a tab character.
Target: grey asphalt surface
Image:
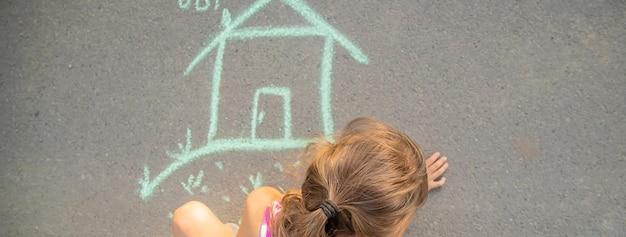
527	99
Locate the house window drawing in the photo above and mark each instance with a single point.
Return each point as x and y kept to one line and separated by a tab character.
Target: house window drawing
231	29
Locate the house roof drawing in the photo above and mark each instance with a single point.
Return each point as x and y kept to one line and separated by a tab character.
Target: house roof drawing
319	27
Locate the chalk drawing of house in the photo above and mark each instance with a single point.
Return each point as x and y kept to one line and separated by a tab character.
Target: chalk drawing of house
231	29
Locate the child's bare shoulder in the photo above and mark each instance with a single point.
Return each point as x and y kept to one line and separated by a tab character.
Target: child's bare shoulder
263	196
256	203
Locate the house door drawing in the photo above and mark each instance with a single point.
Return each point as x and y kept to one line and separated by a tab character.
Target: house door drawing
232	29
257	117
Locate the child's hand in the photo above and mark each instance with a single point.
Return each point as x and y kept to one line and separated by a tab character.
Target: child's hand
436	166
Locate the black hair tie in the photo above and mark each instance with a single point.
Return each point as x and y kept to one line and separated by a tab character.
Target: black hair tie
329	208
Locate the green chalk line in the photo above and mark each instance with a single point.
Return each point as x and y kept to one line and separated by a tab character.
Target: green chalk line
325	87
275	32
221	145
219	165
257	181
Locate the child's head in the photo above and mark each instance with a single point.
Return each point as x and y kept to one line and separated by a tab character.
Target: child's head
374	174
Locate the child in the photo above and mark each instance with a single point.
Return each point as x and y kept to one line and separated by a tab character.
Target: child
369	182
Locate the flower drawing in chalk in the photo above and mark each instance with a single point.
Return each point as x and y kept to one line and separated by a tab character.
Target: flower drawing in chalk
194	183
256	182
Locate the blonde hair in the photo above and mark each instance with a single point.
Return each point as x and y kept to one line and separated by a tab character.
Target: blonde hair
374	174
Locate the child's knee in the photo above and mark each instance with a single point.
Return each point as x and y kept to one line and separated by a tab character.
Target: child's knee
190	213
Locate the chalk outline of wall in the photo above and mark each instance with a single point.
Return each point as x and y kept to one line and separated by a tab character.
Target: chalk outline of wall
230	31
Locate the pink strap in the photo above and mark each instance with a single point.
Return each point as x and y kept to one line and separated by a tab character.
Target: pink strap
265	225
275	208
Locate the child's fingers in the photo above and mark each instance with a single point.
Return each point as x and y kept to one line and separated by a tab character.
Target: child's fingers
432	159
438	164
436	184
439	171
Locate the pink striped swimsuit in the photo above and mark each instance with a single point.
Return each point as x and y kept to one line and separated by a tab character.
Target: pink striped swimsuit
271	212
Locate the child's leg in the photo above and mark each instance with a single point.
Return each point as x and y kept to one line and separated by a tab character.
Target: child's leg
194	219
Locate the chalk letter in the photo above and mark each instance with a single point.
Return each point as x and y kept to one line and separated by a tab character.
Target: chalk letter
207	3
184	4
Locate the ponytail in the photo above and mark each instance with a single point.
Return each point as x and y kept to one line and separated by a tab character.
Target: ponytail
296	220
299	218
369	182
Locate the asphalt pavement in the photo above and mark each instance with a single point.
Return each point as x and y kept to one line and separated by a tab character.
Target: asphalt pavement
113	113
